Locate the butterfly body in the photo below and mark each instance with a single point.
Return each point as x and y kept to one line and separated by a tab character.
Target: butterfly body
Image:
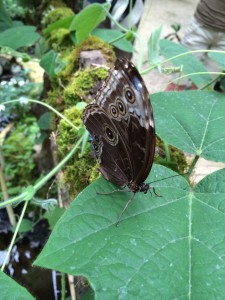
121	124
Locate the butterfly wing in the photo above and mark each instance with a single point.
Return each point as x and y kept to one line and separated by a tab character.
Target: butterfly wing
124	105
108	145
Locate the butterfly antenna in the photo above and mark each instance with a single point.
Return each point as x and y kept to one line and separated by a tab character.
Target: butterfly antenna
125	207
114	191
167	178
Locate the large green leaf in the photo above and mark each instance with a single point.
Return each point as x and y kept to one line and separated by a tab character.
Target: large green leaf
189	62
219	58
124	262
110	35
12	290
165	247
62	23
88	19
21	36
193	121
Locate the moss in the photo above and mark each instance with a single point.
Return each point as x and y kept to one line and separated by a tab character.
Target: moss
80	170
82	84
56	14
177	161
59	39
91	43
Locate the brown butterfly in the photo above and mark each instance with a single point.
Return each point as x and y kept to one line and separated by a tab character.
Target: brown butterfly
121	124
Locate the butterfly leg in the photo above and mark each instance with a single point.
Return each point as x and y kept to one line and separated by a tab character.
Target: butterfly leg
155	192
125	207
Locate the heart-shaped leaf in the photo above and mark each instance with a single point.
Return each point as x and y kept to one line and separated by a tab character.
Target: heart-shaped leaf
126	261
12	290
88	19
192	121
164	248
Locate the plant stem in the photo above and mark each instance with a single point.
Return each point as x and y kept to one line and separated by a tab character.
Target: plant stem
191	74
167	151
179	55
63	286
46	178
14	236
9	209
209	83
191	168
46	105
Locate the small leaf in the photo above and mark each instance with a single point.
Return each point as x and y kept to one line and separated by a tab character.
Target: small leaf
25	226
192	121
44	121
88	19
190	63
12	290
153	47
17	37
48	63
54	216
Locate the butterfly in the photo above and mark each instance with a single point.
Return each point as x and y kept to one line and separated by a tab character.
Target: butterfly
121	124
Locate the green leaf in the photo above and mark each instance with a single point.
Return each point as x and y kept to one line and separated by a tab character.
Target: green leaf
25	226
41	48
17	37
126	262
153	46
109	35
54	216
219	58
63	23
171	247
190	63
88	19
5	20
49	62
192	121
44	121
12	290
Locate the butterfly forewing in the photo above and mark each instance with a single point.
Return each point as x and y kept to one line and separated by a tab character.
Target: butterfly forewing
121	124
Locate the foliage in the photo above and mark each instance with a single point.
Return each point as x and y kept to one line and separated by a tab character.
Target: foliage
17	8
162	245
12	290
162	248
18	154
